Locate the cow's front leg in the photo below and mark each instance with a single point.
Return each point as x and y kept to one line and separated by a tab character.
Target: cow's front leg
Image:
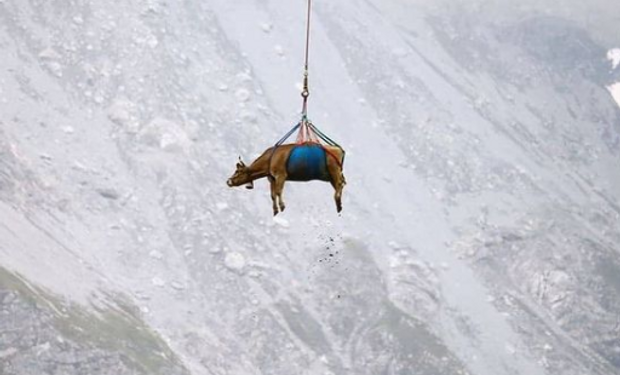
279	187
274	196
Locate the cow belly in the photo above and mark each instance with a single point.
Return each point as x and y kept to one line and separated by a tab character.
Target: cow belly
307	162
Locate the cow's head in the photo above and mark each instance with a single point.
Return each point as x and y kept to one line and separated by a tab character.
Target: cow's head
241	176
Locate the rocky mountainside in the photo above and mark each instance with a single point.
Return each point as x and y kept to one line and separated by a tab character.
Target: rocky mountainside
481	218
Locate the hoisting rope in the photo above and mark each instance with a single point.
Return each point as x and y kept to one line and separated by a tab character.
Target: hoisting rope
305	134
306	91
308	132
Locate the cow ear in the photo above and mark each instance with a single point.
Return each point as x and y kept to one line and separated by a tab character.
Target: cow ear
241	163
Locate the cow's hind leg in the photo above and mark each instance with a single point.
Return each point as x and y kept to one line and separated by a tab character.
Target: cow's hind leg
338	182
338	194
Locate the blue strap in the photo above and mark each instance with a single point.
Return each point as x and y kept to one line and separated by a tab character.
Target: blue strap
321	135
279	143
288	135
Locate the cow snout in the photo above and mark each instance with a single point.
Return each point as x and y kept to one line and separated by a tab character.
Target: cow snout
229	182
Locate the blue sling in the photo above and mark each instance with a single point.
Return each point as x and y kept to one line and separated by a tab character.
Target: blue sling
307	162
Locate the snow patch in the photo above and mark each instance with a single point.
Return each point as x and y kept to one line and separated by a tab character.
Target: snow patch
49	54
124	114
244	76
152	41
174	141
166	135
49	57
248	117
613	55
615	92
394	245
6	353
156	255
281	222
266	27
242	95
235	262
158	282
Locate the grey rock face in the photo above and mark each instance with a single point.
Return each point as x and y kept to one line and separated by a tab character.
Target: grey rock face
481	217
41	336
554	257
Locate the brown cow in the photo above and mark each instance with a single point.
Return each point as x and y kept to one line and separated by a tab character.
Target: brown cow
273	165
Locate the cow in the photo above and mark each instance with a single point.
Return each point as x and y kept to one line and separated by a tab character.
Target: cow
293	162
